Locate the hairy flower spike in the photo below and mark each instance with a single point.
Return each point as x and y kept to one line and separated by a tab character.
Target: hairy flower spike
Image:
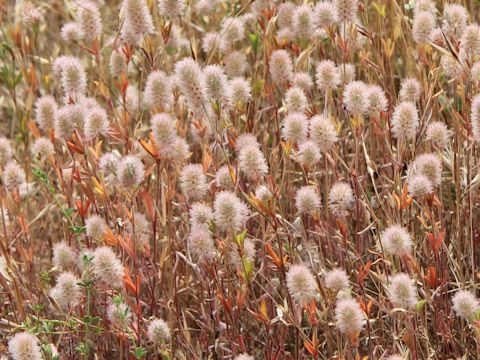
107	267
13	176
45	109
66	292
296	100
137	20
96	123
64	257
188	77
402	291
158	331
323	132
346	10
158	90
73	77
428	165
337	280
307	200
281	68
308	154
6	151
419	186
438	133
252	162
475	117
89	20
325	14
229	211
465	304
201	214
350	318
215	85
171	8
241	90
131	171
193	182
201	243
71	32
235	63
327	75
164	131
423	25
341	198
410	90
396	240
405	121
295	127
301	284
24	346
377	101
119	314
355	97
95	226
303	21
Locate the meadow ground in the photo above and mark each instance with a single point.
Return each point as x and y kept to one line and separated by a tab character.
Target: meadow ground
239	179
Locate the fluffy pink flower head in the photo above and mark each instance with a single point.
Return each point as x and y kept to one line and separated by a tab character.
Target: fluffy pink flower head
402	291
340	199
131	171
158	90
438	133
410	90
66	291
346	10
327	75
137	20
323	132
164	131
252	162
465	304
355	97
308	154
396	240
201	243
325	14
229	211
6	151
281	68
13	176
428	165
295	127
89	20
158	331
301	284
337	280
171	8
95	226
64	257
405	120
193	181
307	199
296	100
350	319
377	101
96	123
107	267
24	346
45	108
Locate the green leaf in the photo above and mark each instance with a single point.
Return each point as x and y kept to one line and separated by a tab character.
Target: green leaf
139	352
419	305
254	40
